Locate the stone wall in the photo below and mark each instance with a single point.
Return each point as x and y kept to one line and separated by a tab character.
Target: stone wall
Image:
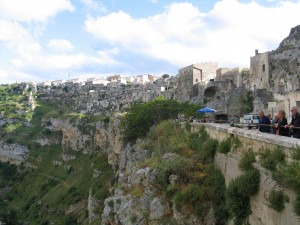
262	214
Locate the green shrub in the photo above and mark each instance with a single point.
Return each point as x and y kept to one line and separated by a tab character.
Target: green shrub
168	136
237	202
238	194
296	153
236	143
215	183
224	146
297	205
142	116
191	194
246	163
171	191
145	213
209	150
188	126
247	102
288	176
203	145
276	200
203	135
179	166
133	219
270	159
70	220
194	141
10	218
111	203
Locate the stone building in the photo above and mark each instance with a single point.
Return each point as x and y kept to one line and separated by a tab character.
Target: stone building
144	79
278	72
259	72
194	74
235	75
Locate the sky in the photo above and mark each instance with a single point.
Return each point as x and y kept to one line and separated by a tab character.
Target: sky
66	39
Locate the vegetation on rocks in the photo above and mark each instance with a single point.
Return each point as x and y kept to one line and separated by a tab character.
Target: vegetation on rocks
141	116
238	195
47	189
188	158
277	199
247	102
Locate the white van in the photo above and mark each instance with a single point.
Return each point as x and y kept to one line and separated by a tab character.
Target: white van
251	118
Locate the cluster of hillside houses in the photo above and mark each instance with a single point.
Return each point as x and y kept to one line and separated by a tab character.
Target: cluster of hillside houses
112	81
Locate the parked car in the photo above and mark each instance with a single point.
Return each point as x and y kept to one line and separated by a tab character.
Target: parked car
251	120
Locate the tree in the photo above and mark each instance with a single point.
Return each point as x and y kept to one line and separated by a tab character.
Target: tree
165	76
142	116
247	102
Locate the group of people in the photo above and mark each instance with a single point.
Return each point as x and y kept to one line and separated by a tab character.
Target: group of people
279	125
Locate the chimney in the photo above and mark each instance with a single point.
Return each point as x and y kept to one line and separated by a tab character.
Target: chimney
256	51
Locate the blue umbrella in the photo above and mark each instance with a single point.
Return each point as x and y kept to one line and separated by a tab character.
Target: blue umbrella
206	110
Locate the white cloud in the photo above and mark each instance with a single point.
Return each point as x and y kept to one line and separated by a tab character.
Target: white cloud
32	10
24	49
182	35
18	39
94	5
28	55
65	62
12	76
60	45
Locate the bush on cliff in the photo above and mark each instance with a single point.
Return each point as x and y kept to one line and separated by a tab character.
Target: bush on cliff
238	195
141	116
187	178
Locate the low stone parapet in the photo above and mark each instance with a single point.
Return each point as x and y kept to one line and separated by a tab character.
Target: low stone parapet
250	139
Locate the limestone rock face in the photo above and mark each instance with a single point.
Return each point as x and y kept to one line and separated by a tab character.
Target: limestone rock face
285	72
71	135
114	140
92	205
77	140
135	199
159	208
293	39
12	152
184	217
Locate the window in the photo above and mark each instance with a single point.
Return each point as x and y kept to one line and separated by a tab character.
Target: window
298	64
263	67
196	80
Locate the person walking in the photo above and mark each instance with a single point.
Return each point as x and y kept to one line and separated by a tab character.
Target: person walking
280	128
294	126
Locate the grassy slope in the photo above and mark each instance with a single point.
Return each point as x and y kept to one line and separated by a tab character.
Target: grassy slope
45	192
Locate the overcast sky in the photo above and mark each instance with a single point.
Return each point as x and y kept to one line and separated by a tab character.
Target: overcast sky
65	39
